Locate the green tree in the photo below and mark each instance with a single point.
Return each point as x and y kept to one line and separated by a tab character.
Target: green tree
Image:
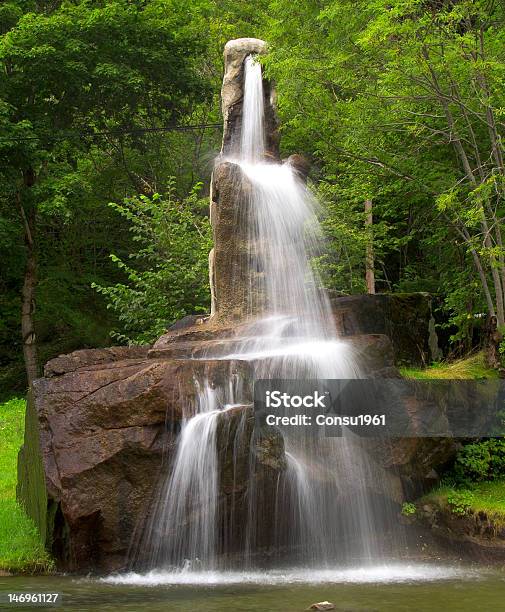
401	102
168	273
69	72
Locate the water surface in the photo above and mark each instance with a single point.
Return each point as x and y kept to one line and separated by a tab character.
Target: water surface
423	588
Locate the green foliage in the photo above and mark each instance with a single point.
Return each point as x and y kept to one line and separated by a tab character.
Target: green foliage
21	549
341	265
80	84
460	501
480	461
397	102
11	435
408	509
366	90
168	272
501	346
476	481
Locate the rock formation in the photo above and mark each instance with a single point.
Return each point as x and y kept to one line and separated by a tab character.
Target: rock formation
101	420
232	94
406	318
231	274
101	424
478	535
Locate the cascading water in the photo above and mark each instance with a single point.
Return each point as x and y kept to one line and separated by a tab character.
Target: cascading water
252	140
323	509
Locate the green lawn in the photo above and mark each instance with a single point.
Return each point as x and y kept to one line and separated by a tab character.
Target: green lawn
473	367
20	547
488	497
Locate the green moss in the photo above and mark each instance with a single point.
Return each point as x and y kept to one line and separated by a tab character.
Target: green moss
487	497
473	368
31	489
21	545
408	509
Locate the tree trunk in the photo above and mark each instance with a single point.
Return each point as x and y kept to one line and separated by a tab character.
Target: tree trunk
500	312
28	297
27	325
491	341
463	232
369	262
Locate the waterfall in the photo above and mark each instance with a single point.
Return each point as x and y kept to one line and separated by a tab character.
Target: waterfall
324	511
192	488
252	141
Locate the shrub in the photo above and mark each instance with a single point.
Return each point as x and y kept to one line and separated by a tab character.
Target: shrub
167	277
460	501
408	509
480	461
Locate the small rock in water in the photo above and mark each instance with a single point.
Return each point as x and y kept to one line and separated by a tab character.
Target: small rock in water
322	605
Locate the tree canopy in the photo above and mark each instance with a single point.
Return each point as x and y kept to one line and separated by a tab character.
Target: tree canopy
397	102
402	102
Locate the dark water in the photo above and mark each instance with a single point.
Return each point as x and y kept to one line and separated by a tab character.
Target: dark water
467	589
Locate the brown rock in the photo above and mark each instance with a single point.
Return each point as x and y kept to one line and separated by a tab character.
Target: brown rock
93	447
300	164
231	273
322	605
91	357
406	319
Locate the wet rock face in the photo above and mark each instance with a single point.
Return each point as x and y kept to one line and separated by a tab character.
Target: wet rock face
250	463
233	278
474	534
232	94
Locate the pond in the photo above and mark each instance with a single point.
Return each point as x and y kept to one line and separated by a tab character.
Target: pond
423	588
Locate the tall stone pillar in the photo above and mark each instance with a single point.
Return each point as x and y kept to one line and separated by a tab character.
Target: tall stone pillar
234	278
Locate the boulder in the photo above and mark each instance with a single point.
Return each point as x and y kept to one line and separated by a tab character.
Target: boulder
406	318
414	461
95	437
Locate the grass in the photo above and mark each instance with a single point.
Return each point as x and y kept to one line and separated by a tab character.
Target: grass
473	367
21	549
487	497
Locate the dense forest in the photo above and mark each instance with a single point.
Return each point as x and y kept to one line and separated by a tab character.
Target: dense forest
110	121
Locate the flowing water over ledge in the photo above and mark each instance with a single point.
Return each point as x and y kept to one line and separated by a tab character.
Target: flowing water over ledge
320	506
393	588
